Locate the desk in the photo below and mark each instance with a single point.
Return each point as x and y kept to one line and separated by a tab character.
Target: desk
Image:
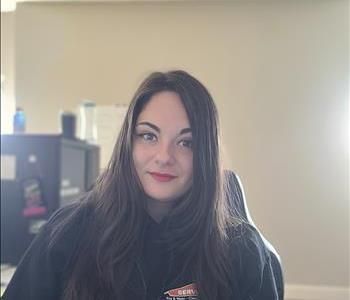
7	272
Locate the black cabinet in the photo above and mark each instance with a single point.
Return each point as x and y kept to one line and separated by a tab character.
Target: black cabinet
45	169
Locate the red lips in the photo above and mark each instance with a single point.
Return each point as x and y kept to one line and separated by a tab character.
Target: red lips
162	177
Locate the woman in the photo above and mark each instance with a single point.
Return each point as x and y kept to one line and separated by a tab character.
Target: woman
156	224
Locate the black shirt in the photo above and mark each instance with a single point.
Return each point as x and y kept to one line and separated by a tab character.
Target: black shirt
42	271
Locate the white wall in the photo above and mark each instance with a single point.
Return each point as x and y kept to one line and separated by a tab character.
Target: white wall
278	71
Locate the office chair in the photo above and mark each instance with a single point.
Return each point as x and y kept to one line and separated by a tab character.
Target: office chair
238	201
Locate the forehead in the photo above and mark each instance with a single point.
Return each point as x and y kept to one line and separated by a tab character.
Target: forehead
165	108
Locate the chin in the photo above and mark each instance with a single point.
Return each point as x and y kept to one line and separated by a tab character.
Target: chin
162	194
163	198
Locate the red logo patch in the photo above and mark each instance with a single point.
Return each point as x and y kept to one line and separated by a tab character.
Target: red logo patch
189	290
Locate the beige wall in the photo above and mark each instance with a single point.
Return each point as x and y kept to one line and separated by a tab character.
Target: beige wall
278	71
8	54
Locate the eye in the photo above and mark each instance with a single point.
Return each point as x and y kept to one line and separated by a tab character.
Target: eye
147	136
186	143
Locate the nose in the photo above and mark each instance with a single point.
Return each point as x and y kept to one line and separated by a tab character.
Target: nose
165	154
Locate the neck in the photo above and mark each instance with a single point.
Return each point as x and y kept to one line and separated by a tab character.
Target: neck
158	209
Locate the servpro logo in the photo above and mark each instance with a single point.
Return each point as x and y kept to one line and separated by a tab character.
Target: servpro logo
187	292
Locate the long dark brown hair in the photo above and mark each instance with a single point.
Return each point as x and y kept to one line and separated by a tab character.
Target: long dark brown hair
105	255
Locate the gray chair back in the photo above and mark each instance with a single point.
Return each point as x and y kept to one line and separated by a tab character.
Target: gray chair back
239	206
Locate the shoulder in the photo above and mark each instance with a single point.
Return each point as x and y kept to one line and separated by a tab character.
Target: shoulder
48	260
67	216
59	238
66	225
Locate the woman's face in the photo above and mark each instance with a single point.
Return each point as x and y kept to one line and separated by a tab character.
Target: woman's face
162	147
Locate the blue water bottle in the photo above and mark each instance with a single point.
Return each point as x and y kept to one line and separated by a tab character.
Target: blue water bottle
19	121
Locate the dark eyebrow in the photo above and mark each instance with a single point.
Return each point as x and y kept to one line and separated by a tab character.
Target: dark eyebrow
186	130
150	125
183	131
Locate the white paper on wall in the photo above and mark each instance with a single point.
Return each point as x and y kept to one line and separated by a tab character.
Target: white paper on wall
109	119
8	167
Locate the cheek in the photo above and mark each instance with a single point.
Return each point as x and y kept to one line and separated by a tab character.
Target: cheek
141	156
188	165
137	157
